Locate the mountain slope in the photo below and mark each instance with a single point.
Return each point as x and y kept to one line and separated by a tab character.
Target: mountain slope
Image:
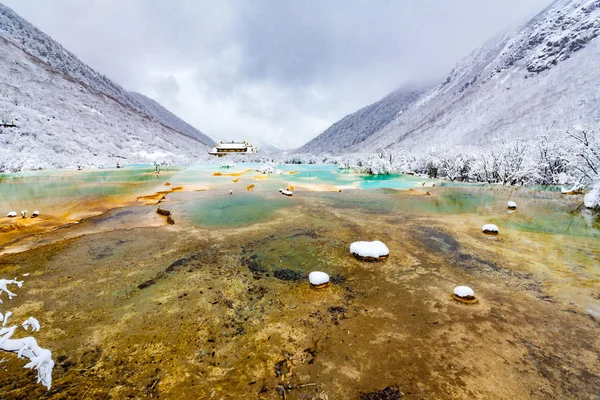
539	79
355	128
169	119
67	114
61	123
33	41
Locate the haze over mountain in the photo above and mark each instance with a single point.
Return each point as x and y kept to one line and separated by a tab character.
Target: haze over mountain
355	128
67	114
539	79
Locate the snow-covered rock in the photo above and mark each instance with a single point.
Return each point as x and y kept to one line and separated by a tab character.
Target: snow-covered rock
512	205
35	214
592	199
464	291
24	214
287	192
11	214
318	278
576	189
464	294
375	250
269	168
490	229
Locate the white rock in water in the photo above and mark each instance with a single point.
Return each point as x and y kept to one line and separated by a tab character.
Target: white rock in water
287	193
512	205
592	199
35	214
374	249
464	291
24	213
318	278
489	228
12	214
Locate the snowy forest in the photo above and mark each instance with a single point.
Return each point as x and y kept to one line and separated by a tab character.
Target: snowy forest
567	159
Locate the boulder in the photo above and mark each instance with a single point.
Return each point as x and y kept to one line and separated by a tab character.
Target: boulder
369	251
490	229
464	294
318	279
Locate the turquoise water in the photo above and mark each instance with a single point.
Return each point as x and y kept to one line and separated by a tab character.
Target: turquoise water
27	186
539	211
238	210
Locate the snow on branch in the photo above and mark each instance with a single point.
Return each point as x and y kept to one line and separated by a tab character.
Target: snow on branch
39	358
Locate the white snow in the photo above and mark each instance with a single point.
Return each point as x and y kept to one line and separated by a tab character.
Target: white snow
35	214
5	320
269	168
12	214
490	228
5	282
49	93
575	189
318	278
39	358
537	80
373	249
31	322
464	291
512	205
286	192
592	199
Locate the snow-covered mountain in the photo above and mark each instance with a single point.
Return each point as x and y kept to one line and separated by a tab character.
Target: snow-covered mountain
355	128
169	119
266	148
539	79
67	114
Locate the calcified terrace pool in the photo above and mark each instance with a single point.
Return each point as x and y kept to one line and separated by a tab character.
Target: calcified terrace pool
218	305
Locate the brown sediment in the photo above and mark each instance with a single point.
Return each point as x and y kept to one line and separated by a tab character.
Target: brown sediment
370	259
233	173
162	211
466	299
141	312
250	187
321	286
155	198
167	184
235	180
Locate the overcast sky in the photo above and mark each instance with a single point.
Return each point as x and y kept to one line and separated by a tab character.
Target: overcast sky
271	70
